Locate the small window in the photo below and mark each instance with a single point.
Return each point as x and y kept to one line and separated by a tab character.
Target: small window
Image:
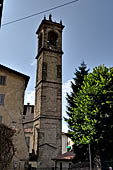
28	142
32	109
0	119
2	99
3	80
25	110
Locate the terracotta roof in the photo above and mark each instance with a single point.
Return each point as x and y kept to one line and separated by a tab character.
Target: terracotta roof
66	156
17	73
63	133
30	130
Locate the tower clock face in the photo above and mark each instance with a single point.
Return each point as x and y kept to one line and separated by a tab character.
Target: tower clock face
52	38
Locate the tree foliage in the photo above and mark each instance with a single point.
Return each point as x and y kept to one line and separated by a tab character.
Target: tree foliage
92	118
79	74
6	146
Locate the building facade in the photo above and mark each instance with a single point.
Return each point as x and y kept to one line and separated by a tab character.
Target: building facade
64	161
67	143
28	116
12	88
48	95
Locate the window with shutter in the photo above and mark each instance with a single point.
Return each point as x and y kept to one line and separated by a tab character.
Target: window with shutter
0	119
3	80
2	99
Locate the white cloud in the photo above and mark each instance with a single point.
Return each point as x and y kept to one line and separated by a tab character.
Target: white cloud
33	62
66	87
30	97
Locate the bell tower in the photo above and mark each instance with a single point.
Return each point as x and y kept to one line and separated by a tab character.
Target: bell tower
48	93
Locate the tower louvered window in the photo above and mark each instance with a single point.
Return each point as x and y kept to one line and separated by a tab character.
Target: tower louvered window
52	38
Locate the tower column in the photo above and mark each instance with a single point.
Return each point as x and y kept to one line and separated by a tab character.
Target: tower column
48	93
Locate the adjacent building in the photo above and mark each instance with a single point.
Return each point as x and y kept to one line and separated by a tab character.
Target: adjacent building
12	88
67	143
64	161
28	116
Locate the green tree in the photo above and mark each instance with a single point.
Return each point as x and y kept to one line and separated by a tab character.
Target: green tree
93	114
79	74
92	118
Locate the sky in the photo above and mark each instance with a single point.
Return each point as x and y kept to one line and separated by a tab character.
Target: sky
88	36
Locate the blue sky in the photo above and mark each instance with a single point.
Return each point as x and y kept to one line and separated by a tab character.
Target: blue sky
88	36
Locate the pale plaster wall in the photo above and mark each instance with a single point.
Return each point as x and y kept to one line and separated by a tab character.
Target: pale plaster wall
12	111
64	143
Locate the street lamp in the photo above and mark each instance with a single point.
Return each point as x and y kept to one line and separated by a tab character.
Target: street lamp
90	157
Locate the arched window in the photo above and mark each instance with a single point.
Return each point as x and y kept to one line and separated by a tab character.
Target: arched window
52	38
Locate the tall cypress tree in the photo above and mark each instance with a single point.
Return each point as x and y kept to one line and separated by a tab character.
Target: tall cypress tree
75	87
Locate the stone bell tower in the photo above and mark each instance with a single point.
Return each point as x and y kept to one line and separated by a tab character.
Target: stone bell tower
48	94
